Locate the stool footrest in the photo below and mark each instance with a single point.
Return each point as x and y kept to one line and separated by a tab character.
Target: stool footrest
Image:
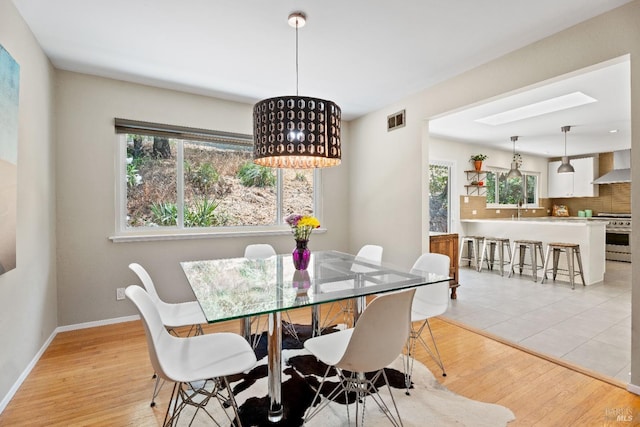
572	250
535	249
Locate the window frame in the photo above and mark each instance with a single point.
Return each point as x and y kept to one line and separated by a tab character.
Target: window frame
123	233
536	204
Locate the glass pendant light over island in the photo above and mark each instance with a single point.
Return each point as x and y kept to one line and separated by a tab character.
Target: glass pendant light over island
296	131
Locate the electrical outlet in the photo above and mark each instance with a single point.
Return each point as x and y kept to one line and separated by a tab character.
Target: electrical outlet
120	294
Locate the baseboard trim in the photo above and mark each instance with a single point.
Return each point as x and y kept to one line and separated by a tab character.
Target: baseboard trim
97	323
16	386
635	389
14	389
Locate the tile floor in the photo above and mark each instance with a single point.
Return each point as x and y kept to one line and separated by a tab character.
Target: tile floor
589	326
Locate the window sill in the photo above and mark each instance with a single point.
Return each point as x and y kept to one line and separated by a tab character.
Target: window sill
190	235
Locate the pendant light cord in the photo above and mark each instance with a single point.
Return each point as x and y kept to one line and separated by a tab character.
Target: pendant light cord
565	129
296	56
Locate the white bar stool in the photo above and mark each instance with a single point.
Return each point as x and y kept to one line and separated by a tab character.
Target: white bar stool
473	245
573	252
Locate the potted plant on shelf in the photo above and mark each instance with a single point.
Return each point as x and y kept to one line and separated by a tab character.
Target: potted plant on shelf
477	160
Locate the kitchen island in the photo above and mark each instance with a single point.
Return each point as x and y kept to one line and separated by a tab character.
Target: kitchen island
589	233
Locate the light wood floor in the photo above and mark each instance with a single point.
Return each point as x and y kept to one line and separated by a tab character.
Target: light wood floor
102	377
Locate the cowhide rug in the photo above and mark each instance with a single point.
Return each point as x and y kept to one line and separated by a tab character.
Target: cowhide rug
429	404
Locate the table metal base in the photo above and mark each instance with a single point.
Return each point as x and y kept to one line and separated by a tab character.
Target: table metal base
274	349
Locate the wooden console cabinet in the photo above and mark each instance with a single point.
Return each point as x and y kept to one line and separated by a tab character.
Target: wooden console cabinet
447	244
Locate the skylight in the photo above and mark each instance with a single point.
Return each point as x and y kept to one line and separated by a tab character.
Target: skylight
551	105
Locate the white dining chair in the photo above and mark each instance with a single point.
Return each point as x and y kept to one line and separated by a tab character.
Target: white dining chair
429	301
375	342
261	251
255	251
369	253
197	365
173	315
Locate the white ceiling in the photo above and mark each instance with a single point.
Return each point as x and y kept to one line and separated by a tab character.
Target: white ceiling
361	54
608	83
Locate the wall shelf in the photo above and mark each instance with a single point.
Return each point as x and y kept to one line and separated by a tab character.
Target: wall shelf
476	176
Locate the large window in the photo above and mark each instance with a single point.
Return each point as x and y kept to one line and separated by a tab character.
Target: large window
184	178
439	197
502	190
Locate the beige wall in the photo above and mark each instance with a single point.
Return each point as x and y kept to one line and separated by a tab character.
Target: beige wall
91	266
458	154
377	196
388	184
28	306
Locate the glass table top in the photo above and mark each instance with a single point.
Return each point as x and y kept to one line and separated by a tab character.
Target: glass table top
238	287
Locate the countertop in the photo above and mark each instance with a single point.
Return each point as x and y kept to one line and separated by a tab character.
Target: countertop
589	233
574	220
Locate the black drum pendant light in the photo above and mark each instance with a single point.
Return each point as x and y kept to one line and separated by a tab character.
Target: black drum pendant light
514	172
565	166
296	131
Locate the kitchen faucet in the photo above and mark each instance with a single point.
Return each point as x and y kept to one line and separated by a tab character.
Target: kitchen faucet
519	206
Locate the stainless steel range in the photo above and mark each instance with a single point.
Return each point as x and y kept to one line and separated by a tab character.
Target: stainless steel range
618	236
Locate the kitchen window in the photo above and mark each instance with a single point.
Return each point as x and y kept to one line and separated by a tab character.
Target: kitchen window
181	179
509	192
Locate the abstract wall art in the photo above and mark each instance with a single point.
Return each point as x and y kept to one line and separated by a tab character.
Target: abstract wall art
9	90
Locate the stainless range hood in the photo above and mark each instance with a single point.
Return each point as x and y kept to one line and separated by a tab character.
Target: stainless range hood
621	169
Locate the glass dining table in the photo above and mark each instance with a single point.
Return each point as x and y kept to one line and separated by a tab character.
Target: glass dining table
237	288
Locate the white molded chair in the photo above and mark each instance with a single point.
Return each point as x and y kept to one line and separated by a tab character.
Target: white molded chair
197	365
260	251
255	251
173	315
369	253
429	301
375	342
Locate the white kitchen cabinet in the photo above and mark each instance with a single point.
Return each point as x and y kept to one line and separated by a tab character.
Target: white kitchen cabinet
578	184
586	172
559	184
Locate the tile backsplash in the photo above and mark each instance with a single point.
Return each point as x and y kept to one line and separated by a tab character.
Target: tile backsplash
475	207
612	198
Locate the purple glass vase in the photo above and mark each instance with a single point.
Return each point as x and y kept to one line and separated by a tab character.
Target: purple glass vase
301	255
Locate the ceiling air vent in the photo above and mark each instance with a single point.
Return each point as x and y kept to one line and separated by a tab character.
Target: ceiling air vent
396	120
